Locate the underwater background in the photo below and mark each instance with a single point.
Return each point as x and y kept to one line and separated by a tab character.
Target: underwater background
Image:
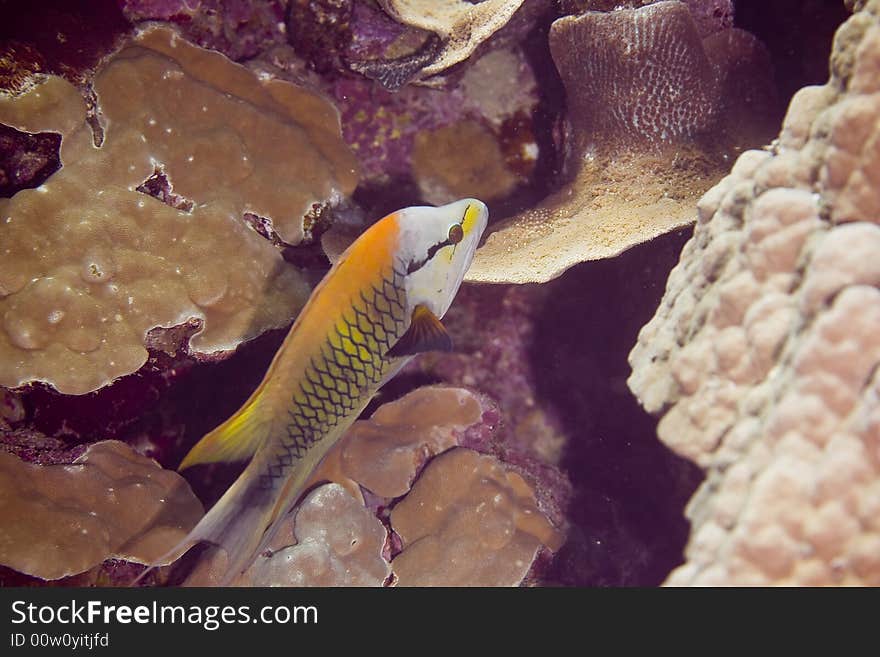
665	350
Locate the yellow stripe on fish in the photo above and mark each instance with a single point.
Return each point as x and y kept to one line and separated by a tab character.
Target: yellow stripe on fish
376	307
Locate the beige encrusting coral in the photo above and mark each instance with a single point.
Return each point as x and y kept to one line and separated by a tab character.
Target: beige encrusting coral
338	542
597	216
641	87
468	521
460	160
331	539
383	454
765	352
111	502
88	264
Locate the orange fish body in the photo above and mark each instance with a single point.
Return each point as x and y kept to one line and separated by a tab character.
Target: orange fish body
379	304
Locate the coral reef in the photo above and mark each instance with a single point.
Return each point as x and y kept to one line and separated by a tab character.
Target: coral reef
550	355
642	88
419	134
496	89
709	16
468	521
336	542
597	52
60	520
494	329
396	460
26	160
763	355
169	210
59	38
90	265
460	160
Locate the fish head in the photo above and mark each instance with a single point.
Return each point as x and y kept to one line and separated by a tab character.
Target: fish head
435	248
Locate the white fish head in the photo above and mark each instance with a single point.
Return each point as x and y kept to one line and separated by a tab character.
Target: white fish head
435	249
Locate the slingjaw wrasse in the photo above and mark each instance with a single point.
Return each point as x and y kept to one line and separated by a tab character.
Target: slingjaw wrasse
380	304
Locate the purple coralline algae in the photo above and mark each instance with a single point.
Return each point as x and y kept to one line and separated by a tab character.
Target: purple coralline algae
240	29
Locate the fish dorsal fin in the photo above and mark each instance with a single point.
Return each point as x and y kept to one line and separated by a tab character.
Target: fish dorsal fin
237	439
425	333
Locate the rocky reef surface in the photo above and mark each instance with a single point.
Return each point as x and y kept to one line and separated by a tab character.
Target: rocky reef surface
177	175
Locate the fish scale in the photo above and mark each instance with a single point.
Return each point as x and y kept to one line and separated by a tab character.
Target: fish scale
352	363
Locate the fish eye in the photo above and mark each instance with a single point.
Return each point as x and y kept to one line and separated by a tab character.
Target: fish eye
456	234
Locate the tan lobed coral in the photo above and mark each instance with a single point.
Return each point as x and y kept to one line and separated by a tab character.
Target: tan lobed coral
764	355
111	502
641	86
468	521
384	454
460	160
89	264
332	539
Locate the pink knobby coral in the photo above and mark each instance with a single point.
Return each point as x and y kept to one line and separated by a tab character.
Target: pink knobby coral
764	354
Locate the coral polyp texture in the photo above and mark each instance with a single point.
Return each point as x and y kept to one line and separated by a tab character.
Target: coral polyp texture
764	355
658	47
649	103
90	263
710	16
111	502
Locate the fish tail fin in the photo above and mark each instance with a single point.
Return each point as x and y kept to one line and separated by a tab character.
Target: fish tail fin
237	439
247	517
237	523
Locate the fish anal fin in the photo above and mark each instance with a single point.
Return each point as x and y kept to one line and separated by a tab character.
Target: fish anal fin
237	439
425	333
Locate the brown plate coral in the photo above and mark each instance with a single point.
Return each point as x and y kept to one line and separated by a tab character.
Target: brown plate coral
90	264
61	520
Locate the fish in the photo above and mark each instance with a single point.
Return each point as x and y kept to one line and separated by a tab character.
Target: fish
379	305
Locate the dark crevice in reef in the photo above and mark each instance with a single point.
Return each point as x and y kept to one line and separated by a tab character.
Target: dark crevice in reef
59	36
162	410
26	160
630	490
798	34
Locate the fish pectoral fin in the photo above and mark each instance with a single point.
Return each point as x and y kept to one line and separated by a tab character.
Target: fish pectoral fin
425	333
237	439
